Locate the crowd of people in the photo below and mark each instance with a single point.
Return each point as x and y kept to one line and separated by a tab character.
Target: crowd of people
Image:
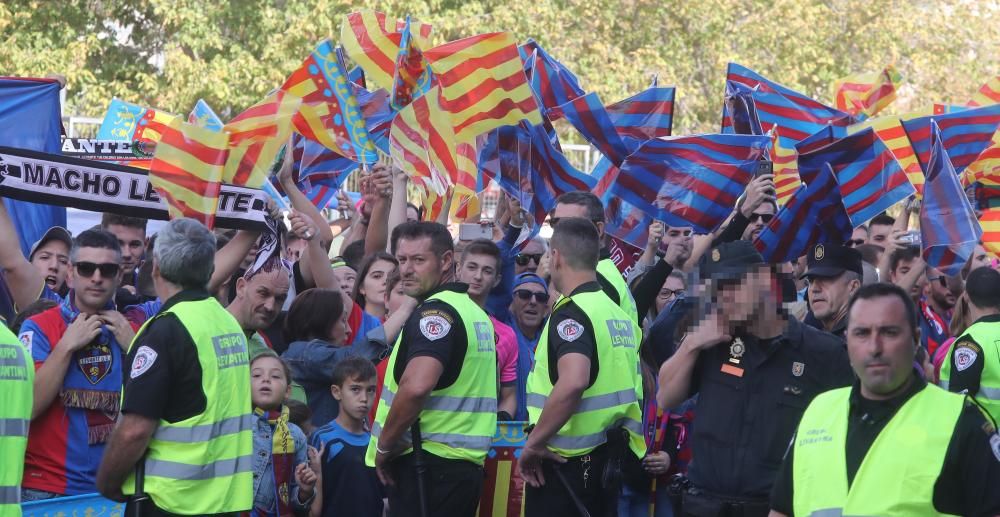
199	372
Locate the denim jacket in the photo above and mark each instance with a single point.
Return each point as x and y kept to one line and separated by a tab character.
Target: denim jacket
263	468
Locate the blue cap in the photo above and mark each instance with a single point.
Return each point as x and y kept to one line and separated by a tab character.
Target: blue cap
529	278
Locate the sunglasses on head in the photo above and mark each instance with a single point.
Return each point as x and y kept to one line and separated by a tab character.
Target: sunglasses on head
524	294
522	259
86	269
766	218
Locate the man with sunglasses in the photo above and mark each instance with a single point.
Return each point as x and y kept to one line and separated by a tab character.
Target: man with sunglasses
588	206
858	237
529	310
78	348
527	260
754	369
939	295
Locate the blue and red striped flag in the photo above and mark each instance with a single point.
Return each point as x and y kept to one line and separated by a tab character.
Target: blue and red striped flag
645	115
683	181
815	214
552	83
870	178
317	164
741	110
798	115
819	140
949	229
964	134
592	120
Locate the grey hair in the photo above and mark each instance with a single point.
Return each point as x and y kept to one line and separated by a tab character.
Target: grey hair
185	253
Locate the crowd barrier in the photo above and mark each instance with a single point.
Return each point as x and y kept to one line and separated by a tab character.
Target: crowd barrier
502	489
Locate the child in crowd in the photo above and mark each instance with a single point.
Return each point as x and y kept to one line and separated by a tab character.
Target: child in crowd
283	483
346	485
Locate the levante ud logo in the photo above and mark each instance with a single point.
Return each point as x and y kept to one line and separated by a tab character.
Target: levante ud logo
95	362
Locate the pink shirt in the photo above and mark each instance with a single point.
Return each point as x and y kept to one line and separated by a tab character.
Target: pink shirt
506	344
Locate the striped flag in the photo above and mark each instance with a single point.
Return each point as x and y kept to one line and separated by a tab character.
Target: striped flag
949	230
964	134
316	164
798	115
256	136
986	168
372	43
988	94
814	215
592	120
483	85
870	178
552	83
741	110
187	168
378	115
422	143
413	76
868	93
682	181
131	122
329	113
203	115
786	170
990	223
645	115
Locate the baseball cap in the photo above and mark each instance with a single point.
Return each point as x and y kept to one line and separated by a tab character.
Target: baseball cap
529	278
53	233
830	260
729	260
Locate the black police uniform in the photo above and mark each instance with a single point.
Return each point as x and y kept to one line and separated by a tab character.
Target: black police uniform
967	378
969	479
830	261
751	395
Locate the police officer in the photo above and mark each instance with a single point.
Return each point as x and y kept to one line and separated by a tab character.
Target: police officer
754	369
974	363
17	373
441	380
588	206
584	388
891	444
186	401
834	273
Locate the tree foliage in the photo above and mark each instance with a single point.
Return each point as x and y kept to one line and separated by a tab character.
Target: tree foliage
169	53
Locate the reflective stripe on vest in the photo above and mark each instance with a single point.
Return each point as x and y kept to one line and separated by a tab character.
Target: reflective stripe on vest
174	470
205	432
898	473
13	427
986	334
613	399
456	422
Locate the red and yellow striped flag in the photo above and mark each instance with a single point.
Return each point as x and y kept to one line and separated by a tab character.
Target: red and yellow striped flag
483	84
786	169
187	168
466	201
422	143
866	93
986	168
372	43
990	222
988	94
256	137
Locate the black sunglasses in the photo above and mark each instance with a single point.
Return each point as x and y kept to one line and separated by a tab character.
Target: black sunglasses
766	218
522	259
855	242
86	269
540	297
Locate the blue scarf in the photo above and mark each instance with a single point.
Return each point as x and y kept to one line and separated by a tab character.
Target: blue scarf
525	361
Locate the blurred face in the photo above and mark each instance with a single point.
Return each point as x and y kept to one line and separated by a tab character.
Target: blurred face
979	259
672	288
527	260
95	277
881	346
758	220
339	330
740	300
528	310
346	276
52	261
420	269
937	289
481	273
133	243
373	286
268	383
879	234
858	237
261	298
828	296
356	397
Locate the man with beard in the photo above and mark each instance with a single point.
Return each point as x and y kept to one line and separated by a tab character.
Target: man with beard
260	295
754	370
939	296
78	348
42	275
529	309
440	385
834	275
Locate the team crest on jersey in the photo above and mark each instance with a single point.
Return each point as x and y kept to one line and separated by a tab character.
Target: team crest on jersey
95	361
26	338
569	330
